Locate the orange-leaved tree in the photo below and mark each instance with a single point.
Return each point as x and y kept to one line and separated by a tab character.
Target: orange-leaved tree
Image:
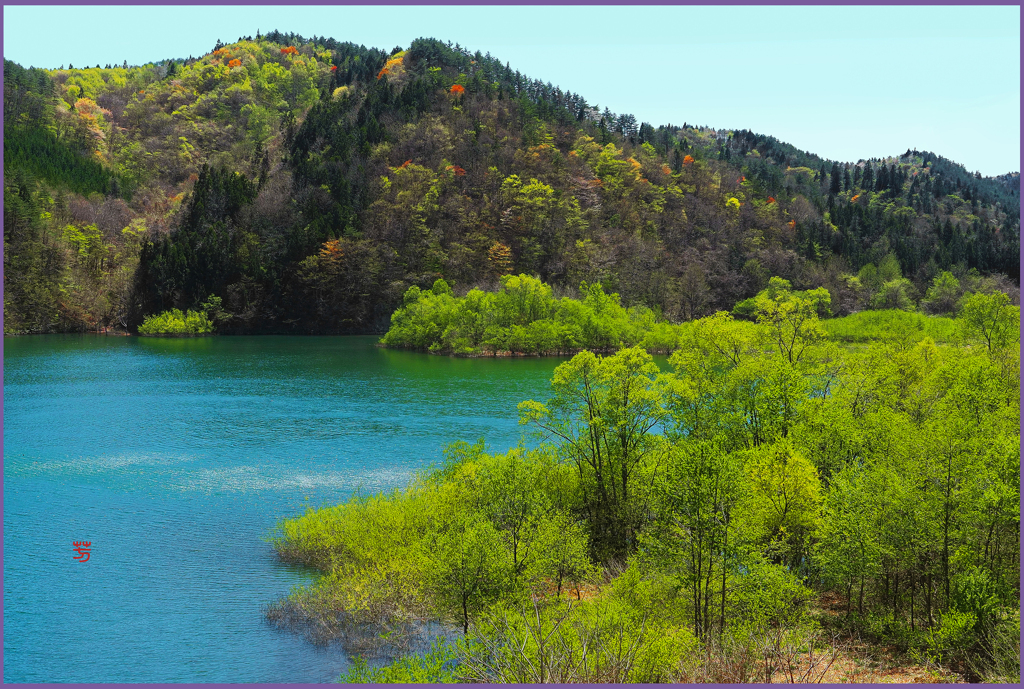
390	65
500	258
331	254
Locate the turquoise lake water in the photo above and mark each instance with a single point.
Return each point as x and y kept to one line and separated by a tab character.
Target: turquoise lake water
175	458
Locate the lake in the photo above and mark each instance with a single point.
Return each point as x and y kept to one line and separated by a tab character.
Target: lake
175	458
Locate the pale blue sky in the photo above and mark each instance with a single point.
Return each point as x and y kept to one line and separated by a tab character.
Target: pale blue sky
843	82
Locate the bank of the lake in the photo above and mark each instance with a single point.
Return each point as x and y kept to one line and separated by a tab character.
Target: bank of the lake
175	458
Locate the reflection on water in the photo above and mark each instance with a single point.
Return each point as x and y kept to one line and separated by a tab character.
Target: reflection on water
175	458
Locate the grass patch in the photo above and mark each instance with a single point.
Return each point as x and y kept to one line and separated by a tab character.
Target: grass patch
888	324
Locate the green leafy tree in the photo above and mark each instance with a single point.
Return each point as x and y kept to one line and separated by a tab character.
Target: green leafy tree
895	294
943	295
790	321
711	349
990	319
694	536
601	418
563	554
467	571
516	504
782	502
847	549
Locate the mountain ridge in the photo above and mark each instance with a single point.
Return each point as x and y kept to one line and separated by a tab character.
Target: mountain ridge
315	127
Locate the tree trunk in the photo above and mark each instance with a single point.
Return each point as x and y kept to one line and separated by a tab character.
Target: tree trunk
722	614
928	598
945	531
896	595
885	591
912	586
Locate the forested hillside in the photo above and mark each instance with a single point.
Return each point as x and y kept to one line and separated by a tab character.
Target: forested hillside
308	184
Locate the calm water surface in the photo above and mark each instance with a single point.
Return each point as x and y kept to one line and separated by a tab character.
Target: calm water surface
175	458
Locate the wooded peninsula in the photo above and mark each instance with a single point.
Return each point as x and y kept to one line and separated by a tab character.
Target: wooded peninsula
783	489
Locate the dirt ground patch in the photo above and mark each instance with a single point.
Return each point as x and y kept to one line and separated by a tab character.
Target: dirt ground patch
845	667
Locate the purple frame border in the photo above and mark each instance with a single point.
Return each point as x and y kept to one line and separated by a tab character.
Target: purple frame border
447	3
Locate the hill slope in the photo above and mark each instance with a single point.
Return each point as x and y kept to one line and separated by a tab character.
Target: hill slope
309	183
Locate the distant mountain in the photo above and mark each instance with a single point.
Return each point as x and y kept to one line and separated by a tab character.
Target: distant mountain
308	183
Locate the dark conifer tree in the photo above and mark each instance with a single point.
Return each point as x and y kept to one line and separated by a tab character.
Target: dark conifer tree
882	183
834	187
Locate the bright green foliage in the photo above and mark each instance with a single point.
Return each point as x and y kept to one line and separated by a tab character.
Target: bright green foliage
729	388
873	277
943	294
479	529
734	489
916	439
174	322
601	417
441	288
847	549
895	294
466	573
883	325
712	350
562	554
602	641
765	596
435	667
694	537
990	319
781	502
523	317
791	320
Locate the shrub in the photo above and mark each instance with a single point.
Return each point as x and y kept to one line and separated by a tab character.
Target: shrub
435	667
951	640
895	294
604	640
174	322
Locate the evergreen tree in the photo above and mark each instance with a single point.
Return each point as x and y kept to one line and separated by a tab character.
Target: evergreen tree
882	183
